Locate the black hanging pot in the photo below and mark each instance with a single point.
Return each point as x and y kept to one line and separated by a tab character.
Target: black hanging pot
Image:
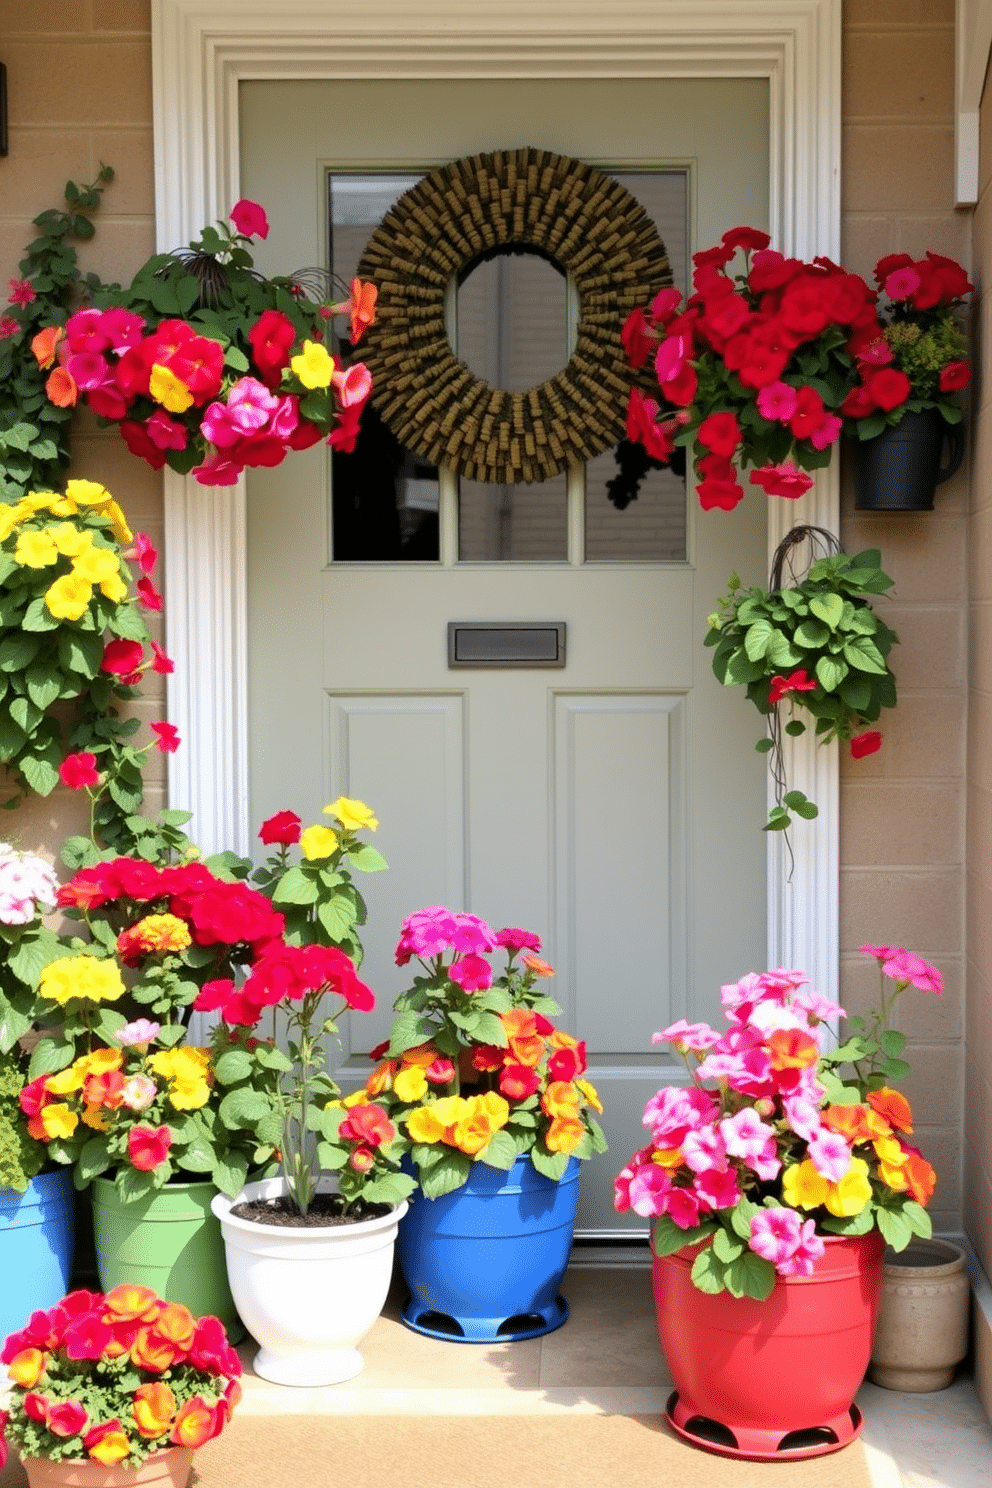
900	469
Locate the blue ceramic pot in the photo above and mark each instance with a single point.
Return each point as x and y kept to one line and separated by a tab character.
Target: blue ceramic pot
484	1264
37	1229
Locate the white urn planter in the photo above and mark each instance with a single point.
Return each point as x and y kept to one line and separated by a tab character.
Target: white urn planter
923	1321
307	1295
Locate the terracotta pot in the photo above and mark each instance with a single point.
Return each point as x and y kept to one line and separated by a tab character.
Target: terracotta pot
168	1469
923	1323
771	1381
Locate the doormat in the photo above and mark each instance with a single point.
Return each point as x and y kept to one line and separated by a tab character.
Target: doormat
533	1451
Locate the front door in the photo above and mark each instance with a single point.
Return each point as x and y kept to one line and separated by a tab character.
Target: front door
611	804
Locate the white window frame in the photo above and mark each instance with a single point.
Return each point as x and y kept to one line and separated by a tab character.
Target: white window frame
203	49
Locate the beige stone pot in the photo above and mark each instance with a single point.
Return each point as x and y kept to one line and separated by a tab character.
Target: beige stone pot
923	1323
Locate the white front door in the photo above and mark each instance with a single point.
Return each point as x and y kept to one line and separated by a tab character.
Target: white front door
613	805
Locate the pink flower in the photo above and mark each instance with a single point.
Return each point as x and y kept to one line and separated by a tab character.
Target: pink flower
21	292
8	327
717	1189
69	1417
148	1147
676	1110
141	1031
704	1150
903	966
513	939
696	1036
166	737
830	1155
472	973
79	770
648	1190
148	596
138	1093
901	283
142	552
683	1208
782	480
249	218
784	1238
165	433
352	385
863	744
745	1135
777	402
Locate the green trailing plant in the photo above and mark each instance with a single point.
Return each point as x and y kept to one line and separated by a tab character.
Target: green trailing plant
815	643
34	432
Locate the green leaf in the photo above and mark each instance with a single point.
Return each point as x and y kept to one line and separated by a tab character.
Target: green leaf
727	1247
39	774
830	672
500	1151
13	1023
551	1164
708	1272
919	1220
233	1065
410	1029
828	608
337	916
243	1107
863	654
51	1054
94	1158
757	639
893	1042
296	887
750	1275
229	1171
449	1172
895	1227
366	857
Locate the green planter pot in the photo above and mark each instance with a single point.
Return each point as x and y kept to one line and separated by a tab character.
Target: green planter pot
169	1241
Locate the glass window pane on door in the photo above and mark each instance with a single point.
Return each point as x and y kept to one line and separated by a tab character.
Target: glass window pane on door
384	498
635	509
512	318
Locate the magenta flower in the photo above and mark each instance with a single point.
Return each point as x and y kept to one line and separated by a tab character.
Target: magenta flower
250	219
148	596
649	1188
675	1110
784	1238
472	973
785	480
21	292
905	967
777	402
165	433
716	1189
683	1207
8	327
513	939
166	737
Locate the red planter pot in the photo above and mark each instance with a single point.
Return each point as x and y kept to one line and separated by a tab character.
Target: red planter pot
773	1380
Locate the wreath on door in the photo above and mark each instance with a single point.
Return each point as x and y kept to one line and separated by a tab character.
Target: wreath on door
524	201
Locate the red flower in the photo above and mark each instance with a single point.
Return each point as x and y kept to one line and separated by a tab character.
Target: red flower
746	238
272	338
798	681
720	432
148	595
162	663
148	1147
863	744
518	1081
638	340
122	657
955	375
782	480
8	327
889	387
68	1418
249	218
167	737
642	428
859	403
368	1124
21	292
86	1337
79	770
136	438
283	829
719	486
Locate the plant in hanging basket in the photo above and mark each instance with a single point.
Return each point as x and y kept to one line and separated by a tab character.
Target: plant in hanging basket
475	1071
815	643
207	365
111	1378
767	367
780	1139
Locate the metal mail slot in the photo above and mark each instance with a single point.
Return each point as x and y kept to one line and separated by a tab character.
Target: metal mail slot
511	643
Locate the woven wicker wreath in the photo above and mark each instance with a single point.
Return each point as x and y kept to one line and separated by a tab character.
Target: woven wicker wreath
514	200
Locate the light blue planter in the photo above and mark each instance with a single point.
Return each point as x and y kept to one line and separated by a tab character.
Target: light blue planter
484	1264
37	1230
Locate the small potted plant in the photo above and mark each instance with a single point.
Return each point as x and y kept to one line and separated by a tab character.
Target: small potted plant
493	1107
116	1388
766	368
309	1253
784	1161
813	642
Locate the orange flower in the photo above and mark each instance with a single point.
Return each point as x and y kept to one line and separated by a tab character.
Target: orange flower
153	1352
667	1157
562	1100
526	1044
128	1303
61	389
177	1324
790	1048
361	308
849	1122
921	1180
538	967
381	1078
196	1422
893	1106
564	1134
107	1443
104	1089
153	1409
44	345
27	1367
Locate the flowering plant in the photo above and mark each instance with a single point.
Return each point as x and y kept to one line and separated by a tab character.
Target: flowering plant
72	629
28	888
475	1071
815	643
206	365
767	367
779	1139
113	1377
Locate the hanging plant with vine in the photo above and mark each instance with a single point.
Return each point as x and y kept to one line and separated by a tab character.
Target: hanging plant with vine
812	642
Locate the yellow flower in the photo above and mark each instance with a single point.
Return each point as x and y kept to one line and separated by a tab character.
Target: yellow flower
97	1118
169	390
69	597
803	1187
353	815
70	540
592	1096
81	976
97	565
410	1084
187	1063
665	1157
157	932
314	365
189	1095
57	1121
87	493
436	1123
67	1080
114	589
483	1115
11	517
564	1134
318	842
852	1193
36	550
101	1061
118	522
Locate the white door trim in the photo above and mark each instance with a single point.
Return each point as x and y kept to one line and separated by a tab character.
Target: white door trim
202	49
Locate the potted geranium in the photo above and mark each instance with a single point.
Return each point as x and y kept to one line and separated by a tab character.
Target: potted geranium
309	1253
767	367
113	1388
773	1182
494	1109
207	365
36	1200
812	642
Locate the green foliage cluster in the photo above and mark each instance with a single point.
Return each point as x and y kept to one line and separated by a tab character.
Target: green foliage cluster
34	433
922	352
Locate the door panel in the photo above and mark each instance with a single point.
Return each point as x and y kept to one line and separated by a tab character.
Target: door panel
608	805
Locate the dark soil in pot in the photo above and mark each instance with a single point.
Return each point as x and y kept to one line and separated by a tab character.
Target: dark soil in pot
326	1209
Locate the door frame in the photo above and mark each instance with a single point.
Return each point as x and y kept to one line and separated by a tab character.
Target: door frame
203	49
